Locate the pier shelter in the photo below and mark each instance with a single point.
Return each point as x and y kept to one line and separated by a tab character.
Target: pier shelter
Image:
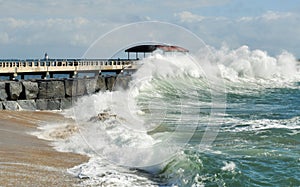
151	48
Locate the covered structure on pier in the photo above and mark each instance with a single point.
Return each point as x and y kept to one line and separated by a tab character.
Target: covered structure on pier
150	48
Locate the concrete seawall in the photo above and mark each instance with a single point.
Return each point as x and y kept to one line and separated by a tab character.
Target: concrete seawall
53	94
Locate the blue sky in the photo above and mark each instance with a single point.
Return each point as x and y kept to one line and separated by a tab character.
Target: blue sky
66	28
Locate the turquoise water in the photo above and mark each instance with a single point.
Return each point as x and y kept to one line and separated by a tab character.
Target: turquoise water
259	142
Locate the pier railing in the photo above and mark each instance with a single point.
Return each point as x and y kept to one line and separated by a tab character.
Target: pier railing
46	67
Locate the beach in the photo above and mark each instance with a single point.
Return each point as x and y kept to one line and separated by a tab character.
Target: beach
26	160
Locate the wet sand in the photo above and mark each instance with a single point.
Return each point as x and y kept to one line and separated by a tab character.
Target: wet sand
28	161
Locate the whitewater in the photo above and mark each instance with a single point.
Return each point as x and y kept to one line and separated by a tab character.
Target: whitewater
224	118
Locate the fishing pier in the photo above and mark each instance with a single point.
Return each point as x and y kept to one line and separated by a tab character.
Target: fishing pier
47	68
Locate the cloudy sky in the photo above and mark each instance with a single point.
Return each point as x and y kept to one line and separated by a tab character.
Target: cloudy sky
66	28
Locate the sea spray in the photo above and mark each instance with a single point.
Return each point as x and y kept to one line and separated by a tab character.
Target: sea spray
244	63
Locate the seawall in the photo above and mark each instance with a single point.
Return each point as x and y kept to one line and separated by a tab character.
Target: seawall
53	94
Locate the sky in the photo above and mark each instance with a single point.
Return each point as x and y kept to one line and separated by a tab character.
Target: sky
66	28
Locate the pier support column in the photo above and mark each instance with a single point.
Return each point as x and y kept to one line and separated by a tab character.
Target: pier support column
118	72
73	74
15	75
45	75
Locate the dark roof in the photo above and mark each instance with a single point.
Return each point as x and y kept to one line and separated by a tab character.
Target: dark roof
151	48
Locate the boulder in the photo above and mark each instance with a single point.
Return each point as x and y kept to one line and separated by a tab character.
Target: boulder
14	90
70	87
109	81
10	105
67	102
100	85
51	89
27	105
31	89
80	87
122	82
41	104
3	93
48	104
54	104
90	85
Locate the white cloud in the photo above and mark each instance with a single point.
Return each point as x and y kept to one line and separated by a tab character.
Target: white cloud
44	30
12	22
189	17
269	16
80	40
4	38
194	3
271	31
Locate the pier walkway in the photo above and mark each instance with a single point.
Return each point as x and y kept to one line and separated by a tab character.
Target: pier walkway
18	69
49	67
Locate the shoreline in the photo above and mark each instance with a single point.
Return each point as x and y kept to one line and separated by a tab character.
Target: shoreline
27	160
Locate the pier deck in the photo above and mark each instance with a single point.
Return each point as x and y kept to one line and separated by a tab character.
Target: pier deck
48	67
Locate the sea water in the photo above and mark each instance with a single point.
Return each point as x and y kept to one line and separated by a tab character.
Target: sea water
229	118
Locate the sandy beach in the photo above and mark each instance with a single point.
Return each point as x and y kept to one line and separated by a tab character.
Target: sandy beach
28	161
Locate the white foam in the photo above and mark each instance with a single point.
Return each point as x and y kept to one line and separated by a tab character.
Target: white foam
100	172
229	166
260	124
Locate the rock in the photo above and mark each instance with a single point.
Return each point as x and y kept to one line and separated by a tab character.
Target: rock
75	87
70	87
64	132
10	105
122	82
31	89
80	87
90	86
14	90
67	102
103	116
109	81
100	85
41	104
3	94
51	89
54	94
48	104
53	104
27	105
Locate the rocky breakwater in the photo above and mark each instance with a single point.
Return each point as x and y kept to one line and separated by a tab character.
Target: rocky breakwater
53	94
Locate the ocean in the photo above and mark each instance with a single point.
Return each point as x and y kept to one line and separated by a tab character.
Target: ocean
229	118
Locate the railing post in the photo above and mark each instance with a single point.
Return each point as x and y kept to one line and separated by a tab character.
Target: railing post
15	74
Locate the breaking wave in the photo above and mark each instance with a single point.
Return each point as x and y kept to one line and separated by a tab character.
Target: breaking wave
168	105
